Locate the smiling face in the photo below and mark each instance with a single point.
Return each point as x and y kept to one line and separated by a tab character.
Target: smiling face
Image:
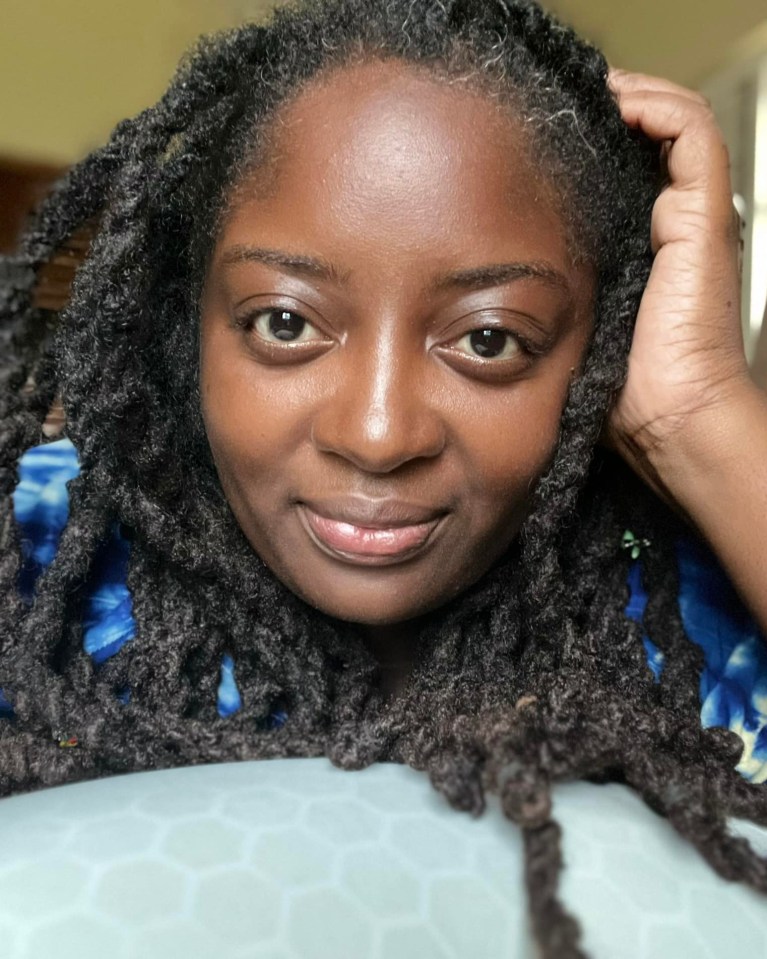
390	324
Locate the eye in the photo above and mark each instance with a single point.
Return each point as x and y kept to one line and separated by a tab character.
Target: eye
489	344
282	326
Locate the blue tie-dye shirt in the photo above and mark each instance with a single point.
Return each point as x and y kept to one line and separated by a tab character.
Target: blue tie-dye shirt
41	507
733	685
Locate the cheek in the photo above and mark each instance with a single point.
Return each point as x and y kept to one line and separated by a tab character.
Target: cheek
510	439
247	422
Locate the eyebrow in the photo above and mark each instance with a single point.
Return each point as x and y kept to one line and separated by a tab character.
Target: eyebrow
297	263
473	278
496	274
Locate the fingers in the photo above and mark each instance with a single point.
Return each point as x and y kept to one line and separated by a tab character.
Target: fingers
698	152
675	217
697	157
621	81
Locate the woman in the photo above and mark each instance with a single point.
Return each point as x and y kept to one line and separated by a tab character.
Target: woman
359	300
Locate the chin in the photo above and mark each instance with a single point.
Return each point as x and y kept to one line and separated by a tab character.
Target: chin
379	610
374	607
361	615
372	597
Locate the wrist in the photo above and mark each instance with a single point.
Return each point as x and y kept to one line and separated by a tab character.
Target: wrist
711	446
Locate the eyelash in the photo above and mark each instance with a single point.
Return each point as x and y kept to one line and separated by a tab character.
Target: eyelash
250	321
525	350
511	338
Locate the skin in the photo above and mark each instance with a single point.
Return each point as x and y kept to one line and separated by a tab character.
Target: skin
376	174
690	420
384	410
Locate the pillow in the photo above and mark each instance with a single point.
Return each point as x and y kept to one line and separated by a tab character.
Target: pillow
295	859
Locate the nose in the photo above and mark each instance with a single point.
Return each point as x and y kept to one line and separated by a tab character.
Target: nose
382	412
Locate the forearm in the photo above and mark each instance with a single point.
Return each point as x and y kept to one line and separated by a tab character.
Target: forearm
717	475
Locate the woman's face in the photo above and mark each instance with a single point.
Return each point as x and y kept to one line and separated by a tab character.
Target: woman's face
390	324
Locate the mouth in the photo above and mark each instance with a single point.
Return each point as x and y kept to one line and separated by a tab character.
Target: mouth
364	532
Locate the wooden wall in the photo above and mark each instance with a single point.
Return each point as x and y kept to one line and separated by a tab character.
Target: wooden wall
22	186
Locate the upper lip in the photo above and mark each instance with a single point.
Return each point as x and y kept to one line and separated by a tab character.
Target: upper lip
373	513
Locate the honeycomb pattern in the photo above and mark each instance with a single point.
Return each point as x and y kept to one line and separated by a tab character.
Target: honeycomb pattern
294	859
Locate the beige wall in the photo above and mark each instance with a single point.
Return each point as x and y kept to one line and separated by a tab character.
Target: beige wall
684	40
70	69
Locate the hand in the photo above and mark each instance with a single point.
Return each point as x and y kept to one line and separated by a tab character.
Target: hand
687	361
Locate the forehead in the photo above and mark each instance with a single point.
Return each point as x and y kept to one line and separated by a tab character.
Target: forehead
389	150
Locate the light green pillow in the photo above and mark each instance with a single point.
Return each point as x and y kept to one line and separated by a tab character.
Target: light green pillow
294	859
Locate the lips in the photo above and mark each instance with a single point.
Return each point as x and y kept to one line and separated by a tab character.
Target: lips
368	531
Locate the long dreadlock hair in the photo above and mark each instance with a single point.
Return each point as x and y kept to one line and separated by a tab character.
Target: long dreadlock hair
535	675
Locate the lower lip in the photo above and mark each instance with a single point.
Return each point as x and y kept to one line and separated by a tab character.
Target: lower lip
367	544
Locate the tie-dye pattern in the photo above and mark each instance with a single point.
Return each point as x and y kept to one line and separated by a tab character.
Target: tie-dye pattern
41	508
733	684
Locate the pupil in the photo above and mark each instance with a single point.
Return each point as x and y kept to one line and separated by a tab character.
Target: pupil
285	325
488	342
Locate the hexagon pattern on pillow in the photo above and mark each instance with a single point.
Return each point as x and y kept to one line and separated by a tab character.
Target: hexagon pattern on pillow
295	859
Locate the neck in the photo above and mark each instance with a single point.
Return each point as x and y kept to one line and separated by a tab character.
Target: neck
394	647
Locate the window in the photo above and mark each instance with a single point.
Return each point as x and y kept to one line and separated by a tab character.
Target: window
738	93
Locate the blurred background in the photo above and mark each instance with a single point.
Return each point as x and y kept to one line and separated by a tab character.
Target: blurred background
70	71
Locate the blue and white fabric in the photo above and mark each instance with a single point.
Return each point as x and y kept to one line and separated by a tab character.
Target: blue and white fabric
41	508
733	683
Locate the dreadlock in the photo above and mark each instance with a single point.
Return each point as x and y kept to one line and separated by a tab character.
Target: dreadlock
535	675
